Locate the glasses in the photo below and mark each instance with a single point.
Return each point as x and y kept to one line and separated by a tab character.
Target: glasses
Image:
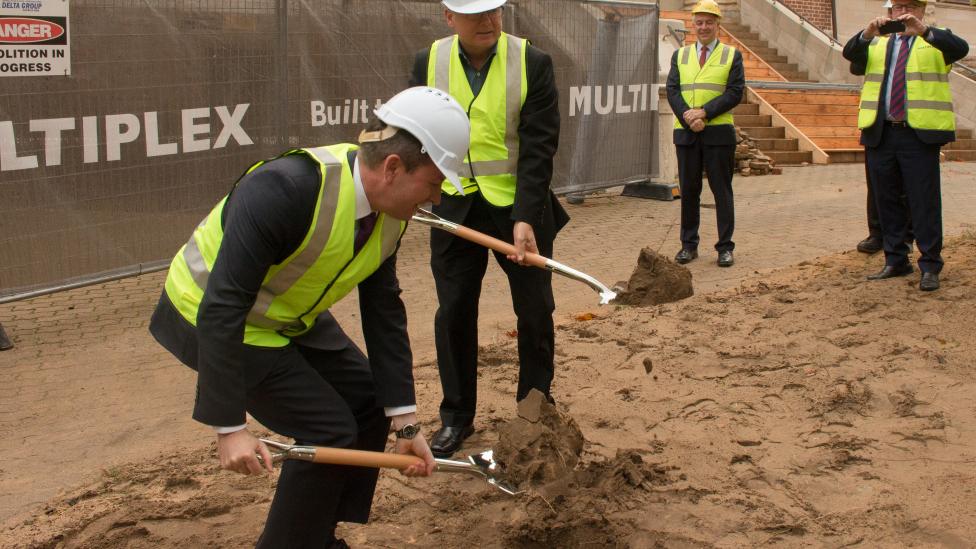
494	15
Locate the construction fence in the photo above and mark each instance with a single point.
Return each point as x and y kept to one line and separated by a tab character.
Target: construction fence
106	169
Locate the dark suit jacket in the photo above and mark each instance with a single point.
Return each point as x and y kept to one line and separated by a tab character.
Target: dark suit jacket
265	220
953	49
538	133
723	134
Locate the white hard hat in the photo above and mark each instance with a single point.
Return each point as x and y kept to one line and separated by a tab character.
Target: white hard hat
887	4
437	121
472	6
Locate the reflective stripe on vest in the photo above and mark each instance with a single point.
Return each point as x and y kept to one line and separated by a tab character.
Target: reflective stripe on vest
318	273
926	76
492	160
699	85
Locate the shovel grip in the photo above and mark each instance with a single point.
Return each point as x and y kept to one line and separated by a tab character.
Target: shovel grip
362	458
500	246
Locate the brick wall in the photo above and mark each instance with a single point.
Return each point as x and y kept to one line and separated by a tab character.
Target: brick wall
814	11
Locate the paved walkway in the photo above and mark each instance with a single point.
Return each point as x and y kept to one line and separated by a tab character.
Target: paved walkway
68	408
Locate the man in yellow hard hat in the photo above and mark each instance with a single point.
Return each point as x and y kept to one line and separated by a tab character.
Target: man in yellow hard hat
508	89
905	117
705	83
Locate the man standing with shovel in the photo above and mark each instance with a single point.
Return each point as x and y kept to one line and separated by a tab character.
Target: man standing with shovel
509	92
246	305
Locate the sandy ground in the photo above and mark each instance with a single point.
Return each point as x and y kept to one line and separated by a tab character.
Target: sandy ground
803	408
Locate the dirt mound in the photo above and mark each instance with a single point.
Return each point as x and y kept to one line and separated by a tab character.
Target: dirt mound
582	508
181	499
655	280
540	445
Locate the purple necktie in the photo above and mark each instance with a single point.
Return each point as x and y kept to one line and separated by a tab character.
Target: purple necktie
363	230
896	105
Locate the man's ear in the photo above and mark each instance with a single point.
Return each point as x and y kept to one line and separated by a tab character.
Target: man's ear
449	15
392	164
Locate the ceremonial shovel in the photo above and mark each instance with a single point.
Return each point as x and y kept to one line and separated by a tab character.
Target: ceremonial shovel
480	465
429	218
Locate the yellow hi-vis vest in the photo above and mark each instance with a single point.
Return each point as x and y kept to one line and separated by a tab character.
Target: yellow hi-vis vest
699	85
492	160
319	273
928	98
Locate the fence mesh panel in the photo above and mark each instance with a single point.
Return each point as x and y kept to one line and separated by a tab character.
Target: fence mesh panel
168	102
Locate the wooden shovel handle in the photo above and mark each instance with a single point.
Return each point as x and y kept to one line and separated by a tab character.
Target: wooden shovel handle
362	458
500	246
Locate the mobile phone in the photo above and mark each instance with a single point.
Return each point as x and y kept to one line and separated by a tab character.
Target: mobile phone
892	26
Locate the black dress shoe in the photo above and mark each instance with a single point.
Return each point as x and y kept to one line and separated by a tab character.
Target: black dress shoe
891	272
725	259
448	439
870	245
929	282
685	256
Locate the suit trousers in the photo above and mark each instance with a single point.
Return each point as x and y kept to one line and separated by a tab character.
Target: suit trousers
902	165
459	267
874	220
719	162
326	398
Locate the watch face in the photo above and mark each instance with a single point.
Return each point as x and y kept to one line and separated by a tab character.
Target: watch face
408	431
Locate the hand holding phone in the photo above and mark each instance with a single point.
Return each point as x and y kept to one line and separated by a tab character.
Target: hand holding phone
891	26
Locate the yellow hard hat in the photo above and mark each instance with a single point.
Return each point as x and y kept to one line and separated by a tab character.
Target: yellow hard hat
888	5
707	6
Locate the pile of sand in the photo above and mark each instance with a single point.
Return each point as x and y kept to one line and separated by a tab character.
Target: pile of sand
807	408
655	280
540	445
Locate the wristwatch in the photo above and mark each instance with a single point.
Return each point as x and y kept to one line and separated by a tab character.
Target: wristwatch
408	431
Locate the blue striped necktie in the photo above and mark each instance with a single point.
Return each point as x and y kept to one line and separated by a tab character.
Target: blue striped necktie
896	106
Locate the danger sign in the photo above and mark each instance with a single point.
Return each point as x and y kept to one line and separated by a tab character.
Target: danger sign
34	38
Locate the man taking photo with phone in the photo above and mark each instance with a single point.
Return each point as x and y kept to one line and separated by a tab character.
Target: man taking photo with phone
905	117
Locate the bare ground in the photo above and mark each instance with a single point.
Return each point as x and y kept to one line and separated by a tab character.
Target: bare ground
805	408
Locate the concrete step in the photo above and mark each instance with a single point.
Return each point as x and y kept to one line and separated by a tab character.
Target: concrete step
746	108
959	144
752	120
846	156
794	76
964	156
785	144
754	43
733	26
744	34
759	132
790	158
764	51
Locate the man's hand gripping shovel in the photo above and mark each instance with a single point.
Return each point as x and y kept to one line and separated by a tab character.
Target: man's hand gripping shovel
429	218
480	465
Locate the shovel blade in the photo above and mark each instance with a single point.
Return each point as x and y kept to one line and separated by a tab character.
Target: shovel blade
483	465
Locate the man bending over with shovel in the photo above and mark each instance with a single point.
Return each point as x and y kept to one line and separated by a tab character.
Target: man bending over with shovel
246	305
